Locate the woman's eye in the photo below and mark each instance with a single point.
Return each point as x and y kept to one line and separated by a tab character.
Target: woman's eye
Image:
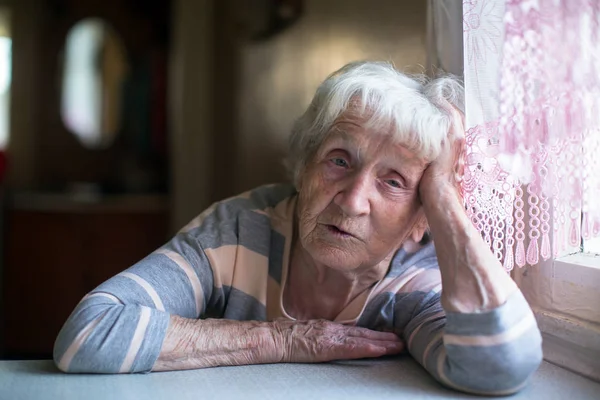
394	183
340	162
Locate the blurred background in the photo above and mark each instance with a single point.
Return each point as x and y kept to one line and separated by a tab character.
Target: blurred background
120	120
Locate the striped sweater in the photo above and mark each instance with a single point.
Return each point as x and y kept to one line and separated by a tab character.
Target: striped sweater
231	262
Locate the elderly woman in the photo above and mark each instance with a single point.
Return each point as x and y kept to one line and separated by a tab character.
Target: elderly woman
337	266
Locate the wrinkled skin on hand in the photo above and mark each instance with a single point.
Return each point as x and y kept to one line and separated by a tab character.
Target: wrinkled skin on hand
321	341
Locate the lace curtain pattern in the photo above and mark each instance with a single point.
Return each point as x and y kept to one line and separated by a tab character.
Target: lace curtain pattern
532	80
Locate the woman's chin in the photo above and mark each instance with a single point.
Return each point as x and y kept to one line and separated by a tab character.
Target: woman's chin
335	257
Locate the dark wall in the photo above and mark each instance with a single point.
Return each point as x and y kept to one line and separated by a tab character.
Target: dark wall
53	154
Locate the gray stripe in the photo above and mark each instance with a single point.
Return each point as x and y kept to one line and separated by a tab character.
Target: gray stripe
495	368
82	315
402	261
421	309
221	226
411	305
400	311
189	248
106	347
215	308
250	229
151	346
255	232
379	313
425	314
126	290
423	338
243	307
170	283
271	195
276	255
216	231
492	322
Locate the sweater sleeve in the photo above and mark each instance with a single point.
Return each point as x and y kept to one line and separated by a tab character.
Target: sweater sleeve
119	327
490	353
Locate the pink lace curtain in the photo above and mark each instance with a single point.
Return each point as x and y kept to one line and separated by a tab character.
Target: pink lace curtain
532	80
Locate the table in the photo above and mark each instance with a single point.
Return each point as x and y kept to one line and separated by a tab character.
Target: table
396	378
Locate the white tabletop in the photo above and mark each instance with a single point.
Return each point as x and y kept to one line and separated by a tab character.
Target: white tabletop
399	378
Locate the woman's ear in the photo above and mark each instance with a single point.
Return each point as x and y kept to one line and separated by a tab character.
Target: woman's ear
420	227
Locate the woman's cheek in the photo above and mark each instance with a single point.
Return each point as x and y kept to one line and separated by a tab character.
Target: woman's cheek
331	173
318	191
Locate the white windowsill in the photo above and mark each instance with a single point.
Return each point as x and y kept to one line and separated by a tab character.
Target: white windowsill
581	259
570	343
565	296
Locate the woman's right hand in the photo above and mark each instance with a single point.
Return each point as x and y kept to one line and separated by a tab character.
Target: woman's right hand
321	341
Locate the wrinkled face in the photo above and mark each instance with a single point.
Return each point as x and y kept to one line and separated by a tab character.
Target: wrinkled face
358	197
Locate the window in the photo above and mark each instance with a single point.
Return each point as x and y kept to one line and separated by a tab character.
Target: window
5	75
564	294
94	71
592	246
523	75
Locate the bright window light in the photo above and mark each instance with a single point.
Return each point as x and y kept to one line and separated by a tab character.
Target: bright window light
5	76
591	245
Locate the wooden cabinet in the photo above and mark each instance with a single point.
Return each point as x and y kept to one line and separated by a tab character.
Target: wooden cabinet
54	257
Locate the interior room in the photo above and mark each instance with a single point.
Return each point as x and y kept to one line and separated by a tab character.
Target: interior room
123	120
200	105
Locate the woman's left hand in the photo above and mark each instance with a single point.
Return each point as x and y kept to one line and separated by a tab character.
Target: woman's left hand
446	171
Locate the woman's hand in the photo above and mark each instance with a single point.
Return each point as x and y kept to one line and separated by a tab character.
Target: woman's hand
321	341
446	171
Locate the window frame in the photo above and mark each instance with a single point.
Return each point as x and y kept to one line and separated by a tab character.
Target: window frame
6	15
563	293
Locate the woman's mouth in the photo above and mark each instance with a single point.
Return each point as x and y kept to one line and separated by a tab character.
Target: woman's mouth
337	231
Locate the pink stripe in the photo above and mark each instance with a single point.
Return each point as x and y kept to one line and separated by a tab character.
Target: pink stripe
436	339
147	287
136	341
492	340
102	294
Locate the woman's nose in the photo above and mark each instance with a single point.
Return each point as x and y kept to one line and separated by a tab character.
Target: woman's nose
354	196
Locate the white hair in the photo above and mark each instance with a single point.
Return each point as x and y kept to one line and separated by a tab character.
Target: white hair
418	109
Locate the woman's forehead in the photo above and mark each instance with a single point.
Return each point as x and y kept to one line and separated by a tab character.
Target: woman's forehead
357	123
358	133
364	142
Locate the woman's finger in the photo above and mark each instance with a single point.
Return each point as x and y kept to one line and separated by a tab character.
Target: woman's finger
354	348
392	345
371	334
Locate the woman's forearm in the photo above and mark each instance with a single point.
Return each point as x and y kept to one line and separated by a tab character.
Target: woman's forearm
192	344
473	280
